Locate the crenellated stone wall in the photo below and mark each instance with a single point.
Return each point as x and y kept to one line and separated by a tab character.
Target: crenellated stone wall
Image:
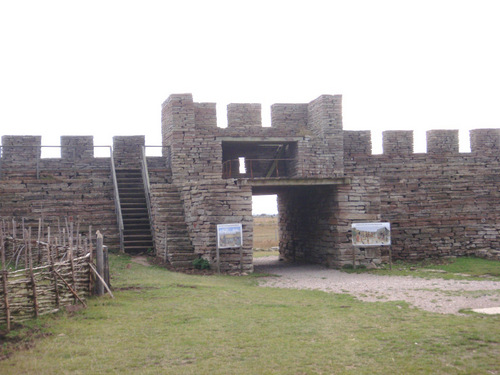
314	139
439	203
77	185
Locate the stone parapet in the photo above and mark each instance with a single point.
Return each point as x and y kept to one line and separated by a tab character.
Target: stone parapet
77	147
485	141
127	151
442	141
398	142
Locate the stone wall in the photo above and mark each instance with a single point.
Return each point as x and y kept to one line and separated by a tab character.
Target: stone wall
76	186
171	238
315	222
197	147
439	203
219	202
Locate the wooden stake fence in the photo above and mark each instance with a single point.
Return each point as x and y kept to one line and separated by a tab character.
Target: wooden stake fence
63	275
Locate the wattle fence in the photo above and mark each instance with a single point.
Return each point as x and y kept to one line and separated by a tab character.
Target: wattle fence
56	273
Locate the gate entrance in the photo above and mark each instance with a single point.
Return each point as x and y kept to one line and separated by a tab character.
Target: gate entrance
307	218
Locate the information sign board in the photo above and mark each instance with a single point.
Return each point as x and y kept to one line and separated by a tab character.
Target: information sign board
229	236
371	234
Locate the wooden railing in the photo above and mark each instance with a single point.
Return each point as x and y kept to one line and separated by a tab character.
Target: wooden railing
118	207
254	168
147	190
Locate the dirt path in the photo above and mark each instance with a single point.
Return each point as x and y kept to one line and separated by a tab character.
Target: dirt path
140	259
436	295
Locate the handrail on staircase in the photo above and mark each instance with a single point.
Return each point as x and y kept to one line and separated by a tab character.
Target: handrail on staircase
118	208
147	190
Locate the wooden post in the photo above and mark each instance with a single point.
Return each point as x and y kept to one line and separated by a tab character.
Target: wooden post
218	258
70	236
32	277
48	244
57	248
4	281
99	263
59	227
39	238
390	257
78	233
39	229
166	243
52	268
71	256
101	279
241	260
91	259
106	265
67	229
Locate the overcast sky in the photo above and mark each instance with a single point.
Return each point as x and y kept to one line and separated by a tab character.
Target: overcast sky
103	68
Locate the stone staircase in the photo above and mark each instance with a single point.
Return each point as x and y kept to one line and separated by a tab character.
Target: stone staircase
169	216
137	231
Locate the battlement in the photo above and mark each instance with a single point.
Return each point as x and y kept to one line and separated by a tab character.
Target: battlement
397	142
442	141
24	148
181	110
127	151
439	142
26	153
485	141
77	147
243	115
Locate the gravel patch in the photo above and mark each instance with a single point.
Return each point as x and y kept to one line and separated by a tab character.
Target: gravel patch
435	295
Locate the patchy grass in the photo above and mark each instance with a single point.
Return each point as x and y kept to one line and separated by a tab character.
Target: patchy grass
172	323
265	232
265	253
464	268
470	266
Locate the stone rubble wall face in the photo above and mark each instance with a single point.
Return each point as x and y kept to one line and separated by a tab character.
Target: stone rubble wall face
190	130
439	203
315	222
219	202
80	190
77	185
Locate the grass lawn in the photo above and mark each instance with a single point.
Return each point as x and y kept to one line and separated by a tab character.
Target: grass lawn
170	323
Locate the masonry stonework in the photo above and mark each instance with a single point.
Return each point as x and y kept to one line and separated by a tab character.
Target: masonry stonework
439	203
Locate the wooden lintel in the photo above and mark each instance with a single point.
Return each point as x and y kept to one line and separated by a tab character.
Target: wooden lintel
260	139
295	181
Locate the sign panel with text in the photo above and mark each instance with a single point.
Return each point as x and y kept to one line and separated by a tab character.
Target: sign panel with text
229	236
371	234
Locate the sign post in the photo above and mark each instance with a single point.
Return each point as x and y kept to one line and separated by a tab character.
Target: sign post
371	234
229	236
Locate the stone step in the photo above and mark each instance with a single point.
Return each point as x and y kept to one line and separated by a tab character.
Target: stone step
137	231
135	214
133	201
137	249
130	243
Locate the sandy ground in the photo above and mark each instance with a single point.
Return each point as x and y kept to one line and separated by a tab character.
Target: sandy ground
436	295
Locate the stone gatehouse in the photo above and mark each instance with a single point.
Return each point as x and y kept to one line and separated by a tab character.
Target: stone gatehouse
439	203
